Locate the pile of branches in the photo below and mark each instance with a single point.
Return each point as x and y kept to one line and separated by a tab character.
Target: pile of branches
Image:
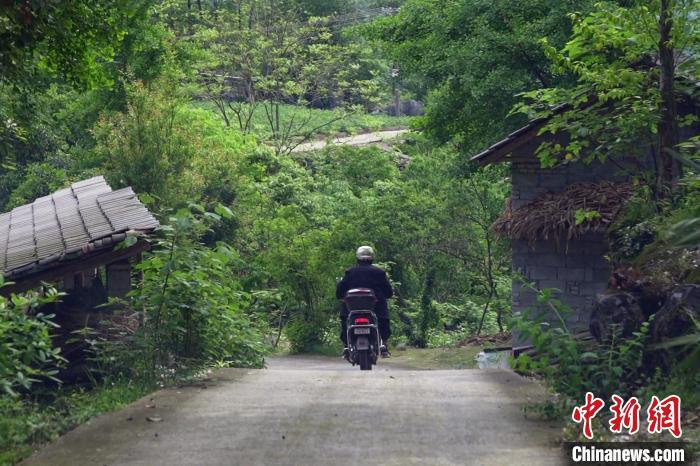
481	340
553	215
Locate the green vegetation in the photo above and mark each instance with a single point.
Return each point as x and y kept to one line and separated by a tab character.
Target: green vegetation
329	122
619	100
259	56
199	107
26	423
572	367
436	358
27	355
471	59
195	315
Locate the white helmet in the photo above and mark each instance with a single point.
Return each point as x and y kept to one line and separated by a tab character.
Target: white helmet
365	253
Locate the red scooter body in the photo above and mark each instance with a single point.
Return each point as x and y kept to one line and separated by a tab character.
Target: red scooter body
364	341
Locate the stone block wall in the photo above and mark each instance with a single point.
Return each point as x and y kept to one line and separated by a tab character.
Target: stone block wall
577	269
530	181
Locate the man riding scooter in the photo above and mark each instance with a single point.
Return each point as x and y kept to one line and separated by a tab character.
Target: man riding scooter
366	275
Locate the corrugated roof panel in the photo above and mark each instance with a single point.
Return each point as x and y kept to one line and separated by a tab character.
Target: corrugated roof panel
37	234
21	256
4	233
87	192
125	211
47	233
89	181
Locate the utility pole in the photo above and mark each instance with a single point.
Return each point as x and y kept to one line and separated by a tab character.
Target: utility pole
395	90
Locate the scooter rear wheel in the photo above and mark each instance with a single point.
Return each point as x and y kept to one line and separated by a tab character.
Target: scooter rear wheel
365	363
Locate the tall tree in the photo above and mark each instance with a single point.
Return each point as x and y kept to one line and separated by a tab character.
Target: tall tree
68	39
630	64
273	58
668	121
49	41
470	59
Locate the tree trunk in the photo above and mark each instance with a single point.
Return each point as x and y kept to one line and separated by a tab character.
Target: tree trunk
427	317
277	119
483	314
397	101
668	123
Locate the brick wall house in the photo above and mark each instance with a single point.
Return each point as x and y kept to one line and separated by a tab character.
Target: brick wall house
576	264
76	240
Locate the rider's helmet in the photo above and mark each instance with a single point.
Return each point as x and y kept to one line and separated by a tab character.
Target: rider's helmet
365	253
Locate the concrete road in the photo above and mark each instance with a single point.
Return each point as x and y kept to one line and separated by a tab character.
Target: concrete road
358	140
321	411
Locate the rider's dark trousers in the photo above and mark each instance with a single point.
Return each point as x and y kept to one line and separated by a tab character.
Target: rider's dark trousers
384	329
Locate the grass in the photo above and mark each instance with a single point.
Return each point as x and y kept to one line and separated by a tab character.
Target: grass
351	124
25	424
333	350
419	358
435	358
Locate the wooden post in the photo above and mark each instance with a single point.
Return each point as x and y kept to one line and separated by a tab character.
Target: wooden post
69	281
119	279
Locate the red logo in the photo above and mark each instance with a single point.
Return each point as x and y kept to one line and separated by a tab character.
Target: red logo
665	415
587	412
625	415
661	415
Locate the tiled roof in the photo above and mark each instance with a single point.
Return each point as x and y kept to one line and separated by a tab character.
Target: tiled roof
496	153
500	150
67	224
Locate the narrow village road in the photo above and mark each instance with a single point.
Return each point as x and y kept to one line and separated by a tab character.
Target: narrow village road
321	411
358	140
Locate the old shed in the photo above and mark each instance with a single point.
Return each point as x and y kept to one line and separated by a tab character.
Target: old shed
74	239
68	238
549	248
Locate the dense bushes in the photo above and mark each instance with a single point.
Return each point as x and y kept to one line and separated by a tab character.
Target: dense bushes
195	307
299	223
27	354
194	312
28	422
572	367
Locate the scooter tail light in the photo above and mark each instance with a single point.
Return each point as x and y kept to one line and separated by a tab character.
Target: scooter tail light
362	320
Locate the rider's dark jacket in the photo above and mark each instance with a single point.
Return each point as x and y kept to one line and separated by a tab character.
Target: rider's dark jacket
366	275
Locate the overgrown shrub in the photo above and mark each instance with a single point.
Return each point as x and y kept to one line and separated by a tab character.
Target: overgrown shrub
683	377
572	368
149	146
25	422
304	333
194	311
456	322
26	351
